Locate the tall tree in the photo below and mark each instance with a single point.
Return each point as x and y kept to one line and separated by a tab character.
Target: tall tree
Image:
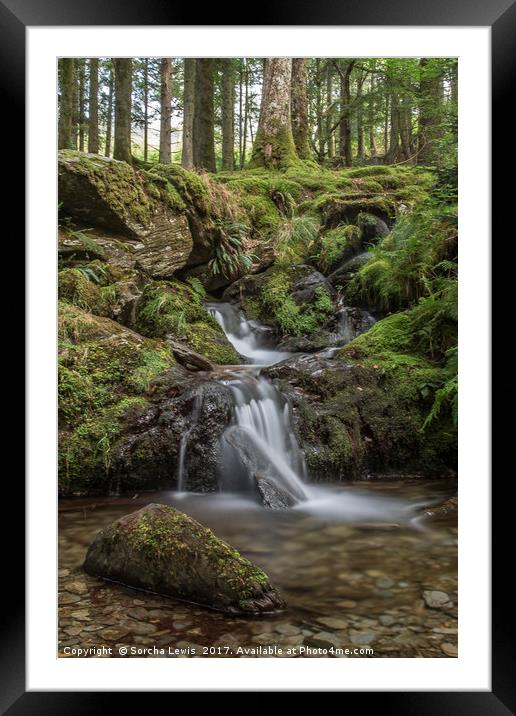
66	102
203	124
429	108
274	144
123	85
299	108
371	116
330	139
109	118
188	112
344	68
81	102
93	114
165	132
228	115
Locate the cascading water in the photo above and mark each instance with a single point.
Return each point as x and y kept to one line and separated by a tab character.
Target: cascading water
260	448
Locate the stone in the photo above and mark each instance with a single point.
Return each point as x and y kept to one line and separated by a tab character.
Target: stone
436	599
449	649
162	550
333	622
362	637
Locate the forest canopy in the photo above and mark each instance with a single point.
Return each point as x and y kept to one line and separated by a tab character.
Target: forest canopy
226	114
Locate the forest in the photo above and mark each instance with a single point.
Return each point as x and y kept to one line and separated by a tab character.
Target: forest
257	283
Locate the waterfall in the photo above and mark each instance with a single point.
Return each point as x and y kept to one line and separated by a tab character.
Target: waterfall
181	472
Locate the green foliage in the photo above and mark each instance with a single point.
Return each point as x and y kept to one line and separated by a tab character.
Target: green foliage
296	239
337	244
230	254
414	261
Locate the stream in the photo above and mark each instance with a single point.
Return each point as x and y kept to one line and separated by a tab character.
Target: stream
355	561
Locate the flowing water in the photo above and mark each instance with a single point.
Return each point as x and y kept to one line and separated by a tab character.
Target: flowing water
352	560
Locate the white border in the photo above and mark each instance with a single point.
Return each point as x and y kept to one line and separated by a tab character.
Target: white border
471	671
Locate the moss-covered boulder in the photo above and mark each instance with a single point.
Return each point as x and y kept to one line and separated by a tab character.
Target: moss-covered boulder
164	551
365	408
103	192
176	309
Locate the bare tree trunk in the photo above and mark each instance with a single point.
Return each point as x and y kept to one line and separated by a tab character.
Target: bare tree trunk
165	127
330	141
274	144
188	113
430	110
394	138
93	119
318	109
228	115
299	101
123	85
371	111
360	116
246	112
345	147
109	123
203	126
386	125
145	109
67	66
82	114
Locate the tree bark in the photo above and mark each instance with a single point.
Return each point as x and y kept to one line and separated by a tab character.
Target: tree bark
93	119
82	114
360	124
299	101
274	144
123	84
371	113
165	126
188	113
345	147
330	140
145	109
246	112
203	125
109	123
430	88
228	115
64	140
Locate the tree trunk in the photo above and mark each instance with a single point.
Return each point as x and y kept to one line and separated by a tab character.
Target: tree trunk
188	113
203	125
360	124
299	101
405	128
430	110
93	119
228	115
145	109
345	147
274	144
318	110
123	84
371	112
109	123
330	141
246	113
394	138
82	114
66	103
165	125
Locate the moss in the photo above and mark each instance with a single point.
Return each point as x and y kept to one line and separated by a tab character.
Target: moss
75	286
336	245
278	308
173	308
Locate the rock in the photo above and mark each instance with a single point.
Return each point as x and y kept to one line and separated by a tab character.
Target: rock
450	649
444	510
371	227
103	192
162	550
348	269
304	289
273	496
362	637
436	599
189	358
333	622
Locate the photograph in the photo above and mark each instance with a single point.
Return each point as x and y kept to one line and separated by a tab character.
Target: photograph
257	270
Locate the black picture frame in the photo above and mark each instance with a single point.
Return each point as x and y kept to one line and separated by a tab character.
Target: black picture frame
500	16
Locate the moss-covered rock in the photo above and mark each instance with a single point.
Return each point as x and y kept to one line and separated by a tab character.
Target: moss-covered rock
164	551
176	309
365	408
98	191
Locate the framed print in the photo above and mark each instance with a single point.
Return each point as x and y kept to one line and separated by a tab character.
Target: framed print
267	439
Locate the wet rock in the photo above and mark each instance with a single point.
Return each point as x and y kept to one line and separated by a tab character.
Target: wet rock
273	496
371	227
304	289
362	637
334	622
436	599
162	550
443	510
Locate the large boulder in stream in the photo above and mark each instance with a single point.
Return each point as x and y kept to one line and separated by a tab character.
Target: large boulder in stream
164	551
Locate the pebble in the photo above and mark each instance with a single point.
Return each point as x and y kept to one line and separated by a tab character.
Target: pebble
384	583
333	622
287	629
449	649
362	637
435	599
77	587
